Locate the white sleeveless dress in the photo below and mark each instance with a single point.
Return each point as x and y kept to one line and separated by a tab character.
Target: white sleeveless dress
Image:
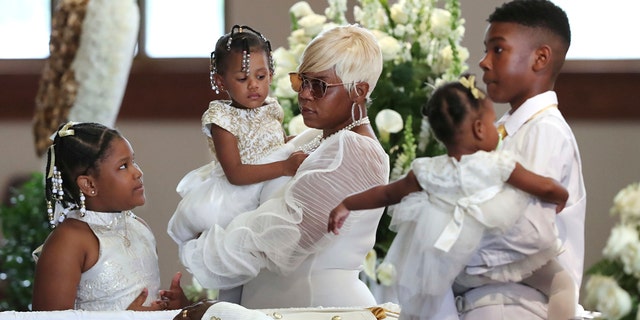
127	263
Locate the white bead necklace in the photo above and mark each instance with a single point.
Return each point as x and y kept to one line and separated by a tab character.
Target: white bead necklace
315	143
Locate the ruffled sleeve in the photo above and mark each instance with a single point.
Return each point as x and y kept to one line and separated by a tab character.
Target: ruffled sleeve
292	225
220	114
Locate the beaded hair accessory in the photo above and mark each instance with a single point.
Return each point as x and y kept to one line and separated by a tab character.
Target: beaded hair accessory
470	83
246	54
56	210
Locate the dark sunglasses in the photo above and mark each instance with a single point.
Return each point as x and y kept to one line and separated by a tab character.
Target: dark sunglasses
317	87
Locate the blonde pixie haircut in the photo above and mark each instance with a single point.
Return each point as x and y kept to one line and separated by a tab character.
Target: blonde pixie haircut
351	50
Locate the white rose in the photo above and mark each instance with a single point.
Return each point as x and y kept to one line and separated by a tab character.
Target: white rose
604	295
370	262
463	53
283	89
285	61
386	273
440	22
441	61
298	37
630	257
296	125
336	10
312	24
627	203
399	14
390	47
400	30
620	237
301	9
297	50
380	18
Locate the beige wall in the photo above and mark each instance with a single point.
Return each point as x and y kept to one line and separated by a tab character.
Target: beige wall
167	150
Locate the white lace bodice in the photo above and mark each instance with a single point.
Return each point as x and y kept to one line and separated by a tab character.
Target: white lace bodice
128	262
258	131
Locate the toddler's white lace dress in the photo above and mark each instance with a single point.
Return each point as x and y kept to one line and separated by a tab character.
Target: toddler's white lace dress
440	227
208	198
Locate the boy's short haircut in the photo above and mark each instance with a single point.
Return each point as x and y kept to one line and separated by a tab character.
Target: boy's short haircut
535	14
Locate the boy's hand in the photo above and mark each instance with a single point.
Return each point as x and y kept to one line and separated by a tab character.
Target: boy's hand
174	298
137	304
337	217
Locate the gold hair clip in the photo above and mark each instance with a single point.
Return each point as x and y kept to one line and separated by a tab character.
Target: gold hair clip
470	83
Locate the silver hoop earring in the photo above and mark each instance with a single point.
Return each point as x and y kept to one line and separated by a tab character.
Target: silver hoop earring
353	113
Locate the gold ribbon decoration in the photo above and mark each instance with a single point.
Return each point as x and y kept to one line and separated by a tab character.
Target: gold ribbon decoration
65	131
470	83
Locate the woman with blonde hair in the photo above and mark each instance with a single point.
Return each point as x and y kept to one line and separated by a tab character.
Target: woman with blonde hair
281	252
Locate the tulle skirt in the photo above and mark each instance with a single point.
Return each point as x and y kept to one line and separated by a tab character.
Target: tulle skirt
208	198
425	273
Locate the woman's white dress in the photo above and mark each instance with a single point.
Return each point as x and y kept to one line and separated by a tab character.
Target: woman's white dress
127	264
208	198
440	227
281	252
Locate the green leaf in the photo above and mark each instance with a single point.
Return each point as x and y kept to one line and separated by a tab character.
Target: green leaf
24	228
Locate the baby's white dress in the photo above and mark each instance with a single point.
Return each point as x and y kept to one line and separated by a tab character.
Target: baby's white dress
208	198
128	262
439	228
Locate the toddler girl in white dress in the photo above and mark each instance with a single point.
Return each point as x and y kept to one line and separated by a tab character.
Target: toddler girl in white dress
245	136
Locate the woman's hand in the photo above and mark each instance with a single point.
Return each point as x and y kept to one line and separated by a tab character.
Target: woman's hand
174	298
137	304
337	217
194	311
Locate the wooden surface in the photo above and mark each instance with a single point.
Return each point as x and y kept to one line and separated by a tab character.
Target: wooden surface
179	89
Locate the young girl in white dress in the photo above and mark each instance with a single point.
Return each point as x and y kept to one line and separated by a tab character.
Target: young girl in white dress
245	135
99	256
447	203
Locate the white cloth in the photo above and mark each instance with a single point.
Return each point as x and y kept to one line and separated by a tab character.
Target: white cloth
90	315
286	238
208	198
546	145
127	263
219	310
502	301
439	228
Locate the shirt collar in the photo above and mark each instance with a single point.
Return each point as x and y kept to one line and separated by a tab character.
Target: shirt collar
533	105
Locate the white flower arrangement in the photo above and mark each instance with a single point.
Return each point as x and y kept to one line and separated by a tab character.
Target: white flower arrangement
613	287
420	43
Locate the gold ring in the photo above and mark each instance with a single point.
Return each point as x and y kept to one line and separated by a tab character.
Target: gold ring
185	313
